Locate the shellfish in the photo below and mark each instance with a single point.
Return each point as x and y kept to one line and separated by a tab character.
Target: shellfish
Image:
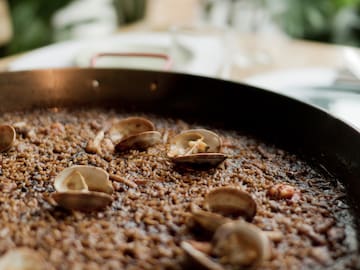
231	201
208	220
23	259
241	243
83	188
7	137
196	146
134	132
200	257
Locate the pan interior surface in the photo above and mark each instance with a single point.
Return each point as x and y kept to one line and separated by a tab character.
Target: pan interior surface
311	133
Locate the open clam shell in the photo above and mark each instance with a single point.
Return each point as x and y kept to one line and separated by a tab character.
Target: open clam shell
134	132
82	201
200	258
129	127
231	201
211	159
23	259
94	178
204	141
83	188
7	137
141	140
74	181
241	243
208	220
196	146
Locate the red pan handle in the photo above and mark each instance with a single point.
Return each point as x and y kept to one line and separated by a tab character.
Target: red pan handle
167	58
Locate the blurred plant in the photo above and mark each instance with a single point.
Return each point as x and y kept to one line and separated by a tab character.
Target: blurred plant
31	23
347	26
84	19
129	10
336	21
319	20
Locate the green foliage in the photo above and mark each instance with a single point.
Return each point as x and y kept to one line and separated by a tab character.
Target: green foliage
319	20
129	11
31	20
343	3
31	23
322	20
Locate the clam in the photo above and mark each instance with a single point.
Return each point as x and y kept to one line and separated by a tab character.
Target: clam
83	188
82	201
199	257
23	259
7	137
208	220
196	146
231	201
139	141
241	243
73	181
134	132
95	178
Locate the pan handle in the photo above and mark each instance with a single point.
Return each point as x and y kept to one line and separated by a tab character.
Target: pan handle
167	58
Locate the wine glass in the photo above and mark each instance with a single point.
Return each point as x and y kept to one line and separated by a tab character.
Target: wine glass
248	28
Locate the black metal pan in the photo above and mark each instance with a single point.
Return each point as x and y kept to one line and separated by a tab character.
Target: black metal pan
289	123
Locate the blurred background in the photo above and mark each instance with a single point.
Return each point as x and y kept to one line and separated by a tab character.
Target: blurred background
26	25
308	49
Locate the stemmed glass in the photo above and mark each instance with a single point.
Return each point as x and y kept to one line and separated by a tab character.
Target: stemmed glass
248	26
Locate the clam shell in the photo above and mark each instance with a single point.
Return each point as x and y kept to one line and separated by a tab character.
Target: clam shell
241	243
95	178
128	127
231	201
141	140
182	153
211	159
7	137
23	259
180	143
82	200
208	220
75	181
199	257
